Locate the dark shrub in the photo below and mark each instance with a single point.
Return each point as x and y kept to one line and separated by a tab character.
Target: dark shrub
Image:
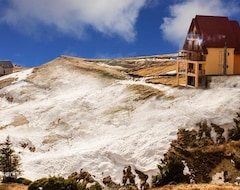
54	183
8	180
23	181
171	172
234	133
97	186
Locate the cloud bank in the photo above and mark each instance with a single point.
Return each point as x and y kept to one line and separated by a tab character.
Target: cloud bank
175	27
74	17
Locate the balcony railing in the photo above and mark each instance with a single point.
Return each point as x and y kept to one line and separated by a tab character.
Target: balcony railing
191	55
201	72
181	70
192	71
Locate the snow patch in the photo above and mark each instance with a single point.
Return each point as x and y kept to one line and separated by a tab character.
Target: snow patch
218	178
82	121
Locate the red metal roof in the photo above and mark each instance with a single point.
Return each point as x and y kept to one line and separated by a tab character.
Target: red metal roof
215	30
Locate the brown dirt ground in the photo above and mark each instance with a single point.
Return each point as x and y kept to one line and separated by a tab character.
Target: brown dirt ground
157	69
13	186
199	187
118	68
130	66
170	80
145	92
6	82
19	120
94	67
17	68
167	187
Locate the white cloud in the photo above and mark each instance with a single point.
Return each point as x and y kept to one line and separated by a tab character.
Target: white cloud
174	28
75	17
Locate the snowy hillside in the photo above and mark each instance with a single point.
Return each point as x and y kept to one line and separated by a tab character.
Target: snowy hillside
93	116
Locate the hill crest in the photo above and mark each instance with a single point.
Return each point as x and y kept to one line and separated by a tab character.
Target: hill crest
103	115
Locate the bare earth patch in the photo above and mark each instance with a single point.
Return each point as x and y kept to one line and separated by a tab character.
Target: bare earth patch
145	92
6	82
19	120
199	187
13	186
160	68
18	68
168	80
154	67
157	72
95	67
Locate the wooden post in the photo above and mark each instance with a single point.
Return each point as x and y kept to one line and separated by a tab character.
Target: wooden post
196	74
177	72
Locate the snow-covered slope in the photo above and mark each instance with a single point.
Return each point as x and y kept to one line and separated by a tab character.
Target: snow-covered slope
77	118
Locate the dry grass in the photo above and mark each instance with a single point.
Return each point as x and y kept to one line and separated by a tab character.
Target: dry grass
170	80
155	70
134	68
6	82
19	120
114	69
75	65
228	147
17	68
144	92
95	67
13	186
200	187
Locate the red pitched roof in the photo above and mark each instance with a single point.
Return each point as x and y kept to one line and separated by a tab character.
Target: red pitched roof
215	30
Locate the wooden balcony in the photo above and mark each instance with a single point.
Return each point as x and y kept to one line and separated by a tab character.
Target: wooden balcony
192	71
193	55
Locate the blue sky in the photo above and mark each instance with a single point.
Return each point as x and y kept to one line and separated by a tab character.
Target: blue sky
34	32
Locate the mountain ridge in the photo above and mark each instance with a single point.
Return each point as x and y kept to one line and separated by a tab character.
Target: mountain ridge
80	113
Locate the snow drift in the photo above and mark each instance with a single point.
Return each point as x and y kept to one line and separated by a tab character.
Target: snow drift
65	116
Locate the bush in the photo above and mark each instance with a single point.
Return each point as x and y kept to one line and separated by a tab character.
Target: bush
38	183
53	183
8	179
234	134
9	161
171	171
23	181
97	186
18	180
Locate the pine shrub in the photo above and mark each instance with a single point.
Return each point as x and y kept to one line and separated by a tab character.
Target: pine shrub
171	171
9	161
234	133
54	183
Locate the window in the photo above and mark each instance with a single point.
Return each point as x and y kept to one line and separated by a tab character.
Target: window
191	81
190	65
200	67
191	68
